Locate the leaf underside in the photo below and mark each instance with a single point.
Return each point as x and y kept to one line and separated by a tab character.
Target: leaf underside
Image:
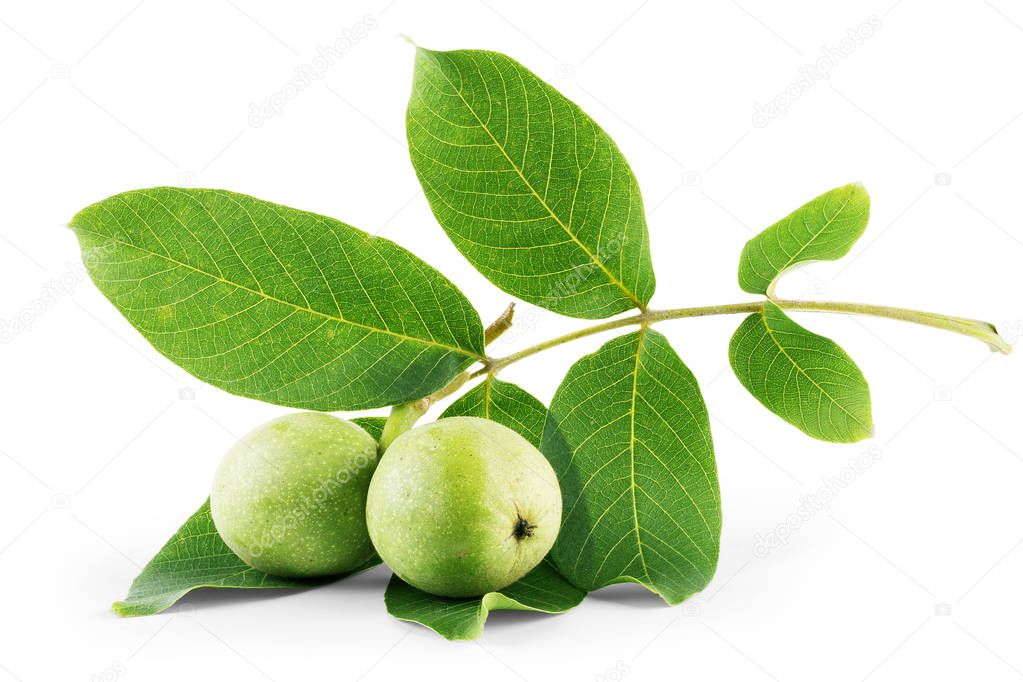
528	187
277	304
543	589
804	378
197	557
629	436
822	229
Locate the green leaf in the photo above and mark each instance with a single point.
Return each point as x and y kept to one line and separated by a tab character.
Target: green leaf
823	229
543	589
806	379
277	304
528	187
505	404
196	557
629	436
374	426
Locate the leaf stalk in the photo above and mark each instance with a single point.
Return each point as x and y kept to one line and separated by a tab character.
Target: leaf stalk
976	329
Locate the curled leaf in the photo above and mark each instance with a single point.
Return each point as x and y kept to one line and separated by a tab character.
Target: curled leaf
822	229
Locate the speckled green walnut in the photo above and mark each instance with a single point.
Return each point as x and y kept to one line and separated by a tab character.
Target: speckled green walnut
290	498
463	506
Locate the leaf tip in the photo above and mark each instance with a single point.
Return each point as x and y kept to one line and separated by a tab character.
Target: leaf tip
867	424
122	609
864	432
859	190
420	50
77	220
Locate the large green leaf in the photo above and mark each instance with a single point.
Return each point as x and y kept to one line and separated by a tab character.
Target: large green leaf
529	188
196	557
278	304
823	229
503	403
806	379
629	436
542	590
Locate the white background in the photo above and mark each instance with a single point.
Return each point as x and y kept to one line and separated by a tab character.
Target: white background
911	571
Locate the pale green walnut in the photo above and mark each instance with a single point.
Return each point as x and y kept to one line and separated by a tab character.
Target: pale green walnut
463	506
290	498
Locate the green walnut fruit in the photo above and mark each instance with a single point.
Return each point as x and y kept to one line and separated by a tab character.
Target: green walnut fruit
290	498
463	506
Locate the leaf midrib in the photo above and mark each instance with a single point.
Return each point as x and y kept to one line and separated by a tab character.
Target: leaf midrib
268	297
632	448
596	261
781	349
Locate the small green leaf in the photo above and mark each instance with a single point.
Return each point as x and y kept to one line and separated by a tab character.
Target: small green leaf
374	426
528	187
806	379
543	589
505	404
277	304
823	229
196	557
629	436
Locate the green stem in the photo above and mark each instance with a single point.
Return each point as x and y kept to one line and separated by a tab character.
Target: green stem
402	418
976	329
973	328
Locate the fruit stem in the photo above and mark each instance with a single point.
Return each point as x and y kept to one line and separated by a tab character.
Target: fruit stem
402	418
973	328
